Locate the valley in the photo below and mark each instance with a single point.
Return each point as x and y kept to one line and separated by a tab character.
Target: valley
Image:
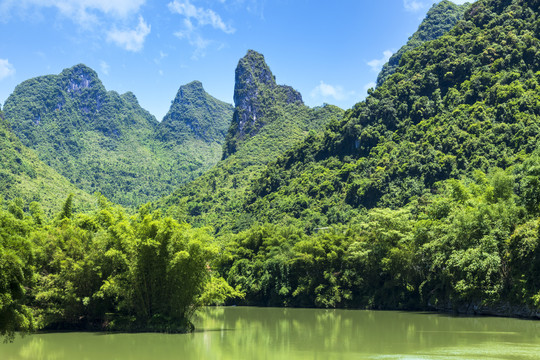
425	196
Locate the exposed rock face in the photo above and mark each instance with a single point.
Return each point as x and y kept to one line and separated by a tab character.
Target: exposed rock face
194	113
79	77
255	95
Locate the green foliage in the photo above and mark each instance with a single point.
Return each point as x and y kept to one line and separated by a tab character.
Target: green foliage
465	253
466	101
67	209
104	270
273	120
105	142
440	19
24	176
16	273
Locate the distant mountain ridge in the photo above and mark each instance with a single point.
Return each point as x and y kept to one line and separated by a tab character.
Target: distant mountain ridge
103	141
196	114
268	120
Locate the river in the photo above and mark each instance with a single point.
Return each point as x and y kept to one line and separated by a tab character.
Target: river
272	333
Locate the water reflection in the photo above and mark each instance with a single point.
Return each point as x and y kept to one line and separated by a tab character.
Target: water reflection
267	333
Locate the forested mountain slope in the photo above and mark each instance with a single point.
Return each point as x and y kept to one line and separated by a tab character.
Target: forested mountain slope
464	102
440	19
268	119
24	177
103	141
196	114
425	196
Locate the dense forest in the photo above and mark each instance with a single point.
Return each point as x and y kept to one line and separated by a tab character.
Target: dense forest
426	195
419	197
440	19
103	270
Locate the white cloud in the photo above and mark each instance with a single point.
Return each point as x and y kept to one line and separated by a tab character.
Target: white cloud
194	38
202	16
131	40
104	67
195	18
336	92
377	64
369	86
162	55
84	12
414	5
6	69
197	41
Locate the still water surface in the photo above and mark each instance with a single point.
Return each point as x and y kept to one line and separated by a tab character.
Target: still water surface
269	333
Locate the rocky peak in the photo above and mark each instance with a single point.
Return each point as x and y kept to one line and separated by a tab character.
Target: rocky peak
194	113
252	72
255	93
190	92
79	77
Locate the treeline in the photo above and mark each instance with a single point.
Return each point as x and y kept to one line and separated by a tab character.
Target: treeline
472	246
104	270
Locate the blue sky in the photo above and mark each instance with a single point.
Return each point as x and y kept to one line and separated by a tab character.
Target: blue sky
330	51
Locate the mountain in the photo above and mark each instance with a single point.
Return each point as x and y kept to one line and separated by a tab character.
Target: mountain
103	141
194	114
424	196
23	176
464	102
268	119
440	19
257	98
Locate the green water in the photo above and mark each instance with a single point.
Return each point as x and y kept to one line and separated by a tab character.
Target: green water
269	333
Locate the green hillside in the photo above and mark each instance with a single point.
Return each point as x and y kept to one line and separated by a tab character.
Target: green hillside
23	177
440	19
268	119
425	195
103	141
467	101
194	114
